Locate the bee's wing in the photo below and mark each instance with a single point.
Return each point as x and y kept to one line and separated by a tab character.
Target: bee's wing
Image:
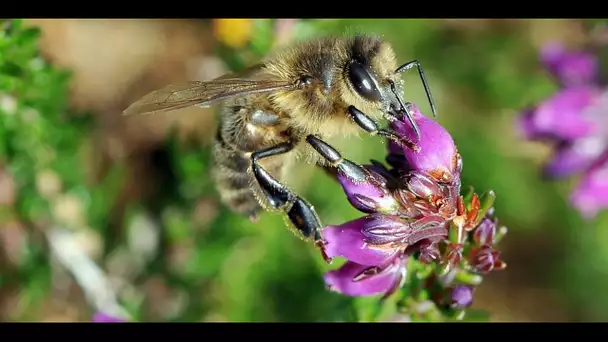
198	93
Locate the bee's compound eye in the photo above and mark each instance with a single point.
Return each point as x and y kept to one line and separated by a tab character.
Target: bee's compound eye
363	82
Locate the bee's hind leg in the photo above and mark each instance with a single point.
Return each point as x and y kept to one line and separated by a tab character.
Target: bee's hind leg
371	126
301	214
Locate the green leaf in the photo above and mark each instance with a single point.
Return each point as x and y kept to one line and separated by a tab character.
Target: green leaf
29	35
468	278
486	202
368	308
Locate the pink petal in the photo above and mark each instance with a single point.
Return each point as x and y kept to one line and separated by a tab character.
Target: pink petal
570	67
577	156
437	154
100	317
525	124
562	115
368	196
591	195
461	297
348	241
341	280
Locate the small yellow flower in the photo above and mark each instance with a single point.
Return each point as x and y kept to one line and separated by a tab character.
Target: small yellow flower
233	32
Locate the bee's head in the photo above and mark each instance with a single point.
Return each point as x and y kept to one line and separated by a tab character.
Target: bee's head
373	78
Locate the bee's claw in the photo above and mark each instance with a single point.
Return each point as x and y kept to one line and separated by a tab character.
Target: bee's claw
321	245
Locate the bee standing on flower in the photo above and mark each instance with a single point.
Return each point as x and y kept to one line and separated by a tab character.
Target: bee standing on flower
284	107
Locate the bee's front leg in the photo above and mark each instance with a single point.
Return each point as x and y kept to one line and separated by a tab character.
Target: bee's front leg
299	212
371	126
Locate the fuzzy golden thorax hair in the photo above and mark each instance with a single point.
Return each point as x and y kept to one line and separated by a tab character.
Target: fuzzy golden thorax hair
322	108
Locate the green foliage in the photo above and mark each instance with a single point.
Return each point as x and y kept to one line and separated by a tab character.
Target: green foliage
41	142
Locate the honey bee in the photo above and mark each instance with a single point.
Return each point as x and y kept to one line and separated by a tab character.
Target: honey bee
283	108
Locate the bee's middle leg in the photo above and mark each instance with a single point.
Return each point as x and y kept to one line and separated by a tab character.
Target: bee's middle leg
331	155
301	214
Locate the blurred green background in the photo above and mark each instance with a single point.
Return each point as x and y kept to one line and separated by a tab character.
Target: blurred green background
135	197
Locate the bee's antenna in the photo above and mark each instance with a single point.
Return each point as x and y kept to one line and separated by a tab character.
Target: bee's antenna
406	111
410	118
425	84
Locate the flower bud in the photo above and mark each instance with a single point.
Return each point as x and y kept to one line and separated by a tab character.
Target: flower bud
429	252
370	195
461	297
486	231
352	239
422	185
386	230
451	257
353	279
484	259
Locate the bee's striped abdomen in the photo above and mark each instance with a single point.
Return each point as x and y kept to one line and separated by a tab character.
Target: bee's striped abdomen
232	148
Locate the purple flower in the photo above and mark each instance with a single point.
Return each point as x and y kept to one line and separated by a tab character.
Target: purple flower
361	280
484	259
483	256
351	240
592	193
560	116
374	246
575	120
570	67
461	297
485	234
437	156
400	216
410	209
370	196
100	317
